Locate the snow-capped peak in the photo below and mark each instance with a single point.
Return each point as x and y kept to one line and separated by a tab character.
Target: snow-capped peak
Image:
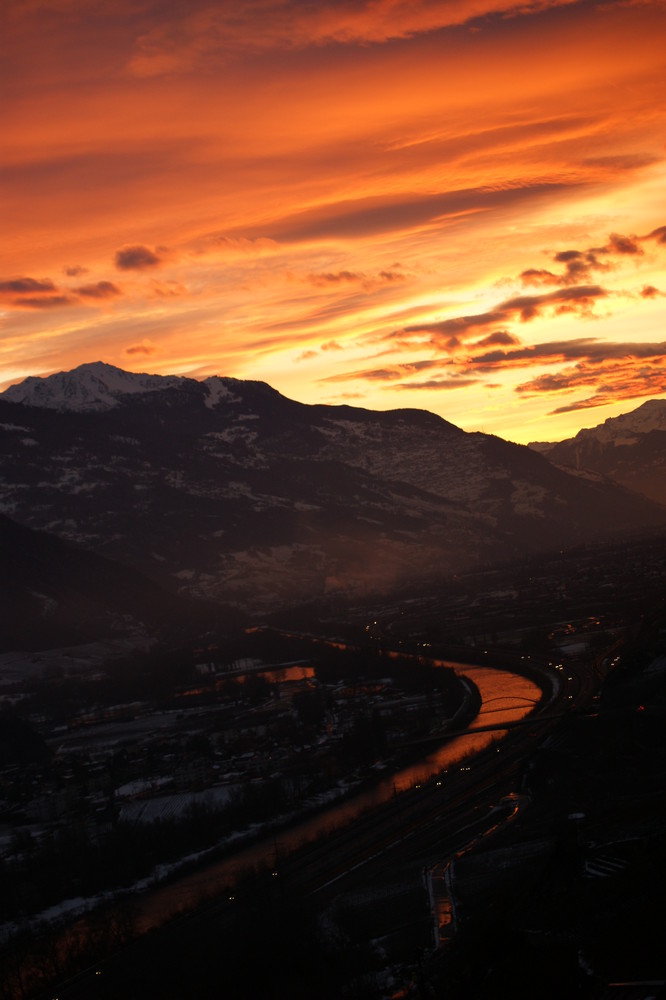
93	386
627	428
650	416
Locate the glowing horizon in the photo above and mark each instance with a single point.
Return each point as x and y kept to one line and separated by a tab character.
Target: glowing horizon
457	205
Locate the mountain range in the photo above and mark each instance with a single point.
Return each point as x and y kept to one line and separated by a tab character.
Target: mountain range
629	449
226	490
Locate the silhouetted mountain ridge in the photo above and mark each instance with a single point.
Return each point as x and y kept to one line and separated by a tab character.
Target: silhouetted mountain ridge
629	449
227	490
56	593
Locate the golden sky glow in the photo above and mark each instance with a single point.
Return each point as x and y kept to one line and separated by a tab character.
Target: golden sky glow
455	205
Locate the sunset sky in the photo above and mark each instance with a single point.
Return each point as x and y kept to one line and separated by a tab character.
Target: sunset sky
456	205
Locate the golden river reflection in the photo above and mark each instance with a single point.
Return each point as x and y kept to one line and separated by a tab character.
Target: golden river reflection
505	697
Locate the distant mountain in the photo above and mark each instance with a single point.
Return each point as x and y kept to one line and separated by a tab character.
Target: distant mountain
227	490
53	593
98	386
629	449
95	386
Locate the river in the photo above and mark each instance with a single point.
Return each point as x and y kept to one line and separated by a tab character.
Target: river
505	697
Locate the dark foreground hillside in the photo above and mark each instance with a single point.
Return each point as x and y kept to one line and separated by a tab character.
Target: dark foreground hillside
54	593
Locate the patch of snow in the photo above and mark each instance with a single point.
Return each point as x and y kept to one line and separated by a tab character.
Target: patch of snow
48	604
121	439
218	391
166	807
232	434
139	786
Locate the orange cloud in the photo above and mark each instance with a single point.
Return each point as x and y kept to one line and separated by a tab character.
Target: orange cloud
205	32
615	372
375	215
386	374
289	154
43	293
100	290
585	347
614	384
581	264
44	301
144	348
440	383
355	277
449	333
658	234
26	286
136	258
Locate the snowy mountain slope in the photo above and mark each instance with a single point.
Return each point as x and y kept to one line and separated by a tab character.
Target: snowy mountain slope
629	449
228	490
94	386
